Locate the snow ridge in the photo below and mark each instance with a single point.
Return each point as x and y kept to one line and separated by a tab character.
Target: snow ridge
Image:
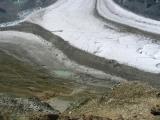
112	11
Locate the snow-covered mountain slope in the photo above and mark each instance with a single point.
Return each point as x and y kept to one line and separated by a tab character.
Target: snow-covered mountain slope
74	21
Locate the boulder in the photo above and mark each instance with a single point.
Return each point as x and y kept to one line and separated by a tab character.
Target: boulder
44	117
155	110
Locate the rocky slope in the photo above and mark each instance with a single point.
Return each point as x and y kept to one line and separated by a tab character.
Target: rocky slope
11	10
146	8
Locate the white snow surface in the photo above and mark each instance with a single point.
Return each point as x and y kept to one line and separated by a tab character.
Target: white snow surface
112	11
76	23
